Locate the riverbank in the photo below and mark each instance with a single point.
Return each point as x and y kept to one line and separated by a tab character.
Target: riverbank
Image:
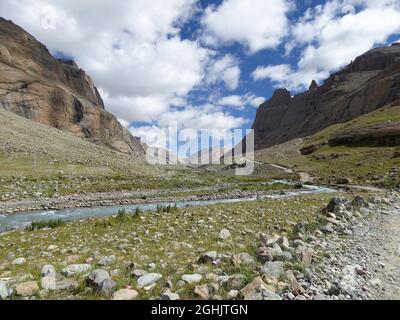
139	197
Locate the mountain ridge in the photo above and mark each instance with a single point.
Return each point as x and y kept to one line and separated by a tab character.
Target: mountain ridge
39	87
371	81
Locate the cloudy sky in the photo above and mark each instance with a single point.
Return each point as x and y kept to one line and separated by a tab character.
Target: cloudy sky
207	64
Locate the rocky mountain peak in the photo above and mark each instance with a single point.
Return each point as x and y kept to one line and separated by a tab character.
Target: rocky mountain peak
280	97
313	85
55	92
370	82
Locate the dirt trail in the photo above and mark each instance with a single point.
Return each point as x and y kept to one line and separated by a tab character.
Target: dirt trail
385	242
365	264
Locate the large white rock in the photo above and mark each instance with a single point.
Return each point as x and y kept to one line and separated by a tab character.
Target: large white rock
75	269
125	294
192	278
148	279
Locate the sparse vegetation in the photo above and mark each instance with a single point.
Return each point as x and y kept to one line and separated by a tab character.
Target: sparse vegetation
49	224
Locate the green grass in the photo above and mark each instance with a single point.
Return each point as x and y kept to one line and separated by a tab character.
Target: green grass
174	241
50	224
362	165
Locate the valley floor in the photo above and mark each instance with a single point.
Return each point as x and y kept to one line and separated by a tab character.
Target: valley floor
293	248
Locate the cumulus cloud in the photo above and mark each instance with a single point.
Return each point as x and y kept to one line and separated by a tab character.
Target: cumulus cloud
240	102
332	35
189	122
225	69
258	24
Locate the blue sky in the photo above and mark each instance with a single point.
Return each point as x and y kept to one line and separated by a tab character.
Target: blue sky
206	64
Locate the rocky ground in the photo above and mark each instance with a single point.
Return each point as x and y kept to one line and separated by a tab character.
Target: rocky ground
305	248
362	261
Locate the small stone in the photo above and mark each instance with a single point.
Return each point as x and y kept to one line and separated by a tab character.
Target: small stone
306	257
328	229
243	259
296	288
236	281
272	269
208	257
168	295
192	278
106	261
284	243
48	282
66	285
18	261
233	294
283	256
107	286
137	273
224	234
320	297
148	279
202	292
268	240
258	290
125	294
4	290
75	269
96	278
48	270
27	289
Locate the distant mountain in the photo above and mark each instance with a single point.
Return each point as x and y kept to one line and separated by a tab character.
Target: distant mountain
35	85
206	156
367	84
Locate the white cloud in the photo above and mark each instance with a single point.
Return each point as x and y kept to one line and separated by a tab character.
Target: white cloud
258	24
232	101
190	121
240	102
226	70
331	39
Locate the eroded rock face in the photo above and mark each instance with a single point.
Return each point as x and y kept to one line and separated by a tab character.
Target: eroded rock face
35	85
369	83
369	136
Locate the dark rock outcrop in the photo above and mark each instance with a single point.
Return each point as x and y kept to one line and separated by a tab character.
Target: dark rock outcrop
367	84
381	135
35	85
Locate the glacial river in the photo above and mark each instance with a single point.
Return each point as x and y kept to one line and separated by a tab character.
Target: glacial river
22	220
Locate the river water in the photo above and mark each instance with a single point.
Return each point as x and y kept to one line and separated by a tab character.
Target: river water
22	220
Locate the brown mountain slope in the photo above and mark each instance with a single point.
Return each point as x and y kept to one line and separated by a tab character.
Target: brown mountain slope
370	82
35	85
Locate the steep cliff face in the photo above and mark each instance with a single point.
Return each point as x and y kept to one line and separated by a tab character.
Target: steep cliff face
370	82
35	85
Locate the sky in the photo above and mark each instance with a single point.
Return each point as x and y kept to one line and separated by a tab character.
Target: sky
205	64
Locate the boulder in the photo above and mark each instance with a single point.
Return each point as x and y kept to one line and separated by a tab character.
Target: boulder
272	269
96	278
202	292
76	269
258	290
192	278
148	280
168	295
27	289
5	292
125	294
